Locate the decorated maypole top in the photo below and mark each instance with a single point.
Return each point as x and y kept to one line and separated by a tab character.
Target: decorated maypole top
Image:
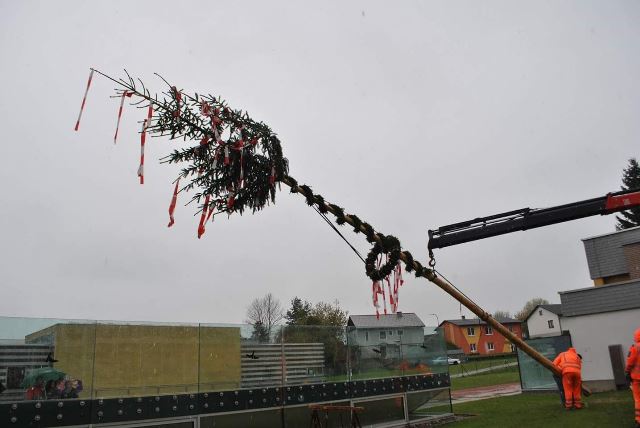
235	164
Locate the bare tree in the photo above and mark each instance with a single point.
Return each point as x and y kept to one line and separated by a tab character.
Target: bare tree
500	315
529	306
266	311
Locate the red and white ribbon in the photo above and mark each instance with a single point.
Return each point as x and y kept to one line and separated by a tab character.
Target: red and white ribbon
143	136
84	100
227	161
397	283
149	114
231	201
205	109
375	290
203	217
210	215
272	177
178	96
172	205
124	94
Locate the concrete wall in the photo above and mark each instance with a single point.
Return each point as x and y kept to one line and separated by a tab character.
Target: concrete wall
538	325
591	335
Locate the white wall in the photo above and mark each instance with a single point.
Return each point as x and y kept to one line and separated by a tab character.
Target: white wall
538	325
591	335
409	335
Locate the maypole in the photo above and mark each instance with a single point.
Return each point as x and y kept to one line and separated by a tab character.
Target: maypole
237	164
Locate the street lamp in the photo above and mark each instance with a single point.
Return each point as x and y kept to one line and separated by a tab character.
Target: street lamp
437	320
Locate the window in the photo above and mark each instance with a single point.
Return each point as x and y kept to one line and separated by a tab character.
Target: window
540	312
471	331
383	335
550	322
390	332
511	328
400	332
513	348
366	336
490	346
472	347
488	330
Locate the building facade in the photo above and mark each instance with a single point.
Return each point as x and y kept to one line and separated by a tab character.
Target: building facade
476	337
598	319
614	257
387	337
544	321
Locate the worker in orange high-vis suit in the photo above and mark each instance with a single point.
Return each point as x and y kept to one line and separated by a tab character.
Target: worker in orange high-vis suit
633	373
570	363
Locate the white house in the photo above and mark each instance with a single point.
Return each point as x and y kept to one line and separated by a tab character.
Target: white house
544	321
600	318
386	336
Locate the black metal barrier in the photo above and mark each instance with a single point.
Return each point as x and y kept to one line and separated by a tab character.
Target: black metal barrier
52	413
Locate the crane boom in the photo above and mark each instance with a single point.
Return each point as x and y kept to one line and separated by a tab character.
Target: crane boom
527	218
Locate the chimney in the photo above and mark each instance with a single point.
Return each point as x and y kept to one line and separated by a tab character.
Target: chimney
463	317
399	313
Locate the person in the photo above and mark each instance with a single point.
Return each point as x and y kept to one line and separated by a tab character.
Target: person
72	388
36	392
571	366
632	370
50	389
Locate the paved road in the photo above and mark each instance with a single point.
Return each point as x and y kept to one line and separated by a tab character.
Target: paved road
486	369
483	392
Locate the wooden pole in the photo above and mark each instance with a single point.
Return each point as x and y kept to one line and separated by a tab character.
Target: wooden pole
453	292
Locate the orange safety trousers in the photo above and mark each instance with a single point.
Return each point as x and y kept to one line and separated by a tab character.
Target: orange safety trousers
635	388
571	383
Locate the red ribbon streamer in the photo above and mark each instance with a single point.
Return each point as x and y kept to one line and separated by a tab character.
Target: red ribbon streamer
143	136
178	96
172	205
84	100
149	114
272	177
203	217
124	94
227	161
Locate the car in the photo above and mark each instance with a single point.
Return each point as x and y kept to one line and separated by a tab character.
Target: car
445	360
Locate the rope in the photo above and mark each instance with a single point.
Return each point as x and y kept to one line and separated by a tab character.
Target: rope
324	217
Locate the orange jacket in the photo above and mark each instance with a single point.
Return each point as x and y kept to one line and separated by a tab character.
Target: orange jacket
568	361
633	359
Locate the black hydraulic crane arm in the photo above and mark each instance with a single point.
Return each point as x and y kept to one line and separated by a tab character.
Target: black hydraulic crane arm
528	218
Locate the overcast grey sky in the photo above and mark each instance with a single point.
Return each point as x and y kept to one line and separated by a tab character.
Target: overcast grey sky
411	114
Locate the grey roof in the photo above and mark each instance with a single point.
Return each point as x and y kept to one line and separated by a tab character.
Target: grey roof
605	253
401	319
606	298
554	308
477	321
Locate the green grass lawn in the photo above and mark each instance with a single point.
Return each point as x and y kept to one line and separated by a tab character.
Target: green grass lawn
479	364
497	377
607	409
